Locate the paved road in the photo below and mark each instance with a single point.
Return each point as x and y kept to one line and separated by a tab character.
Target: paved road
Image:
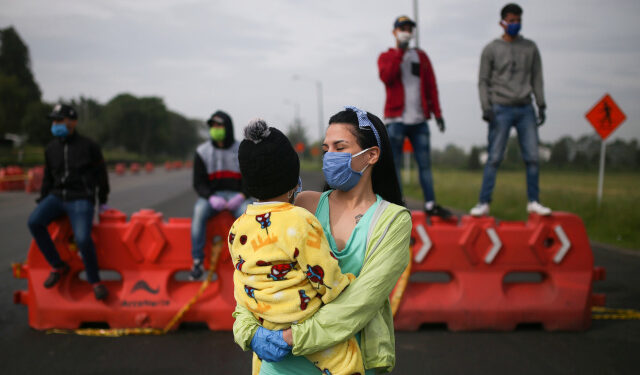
609	347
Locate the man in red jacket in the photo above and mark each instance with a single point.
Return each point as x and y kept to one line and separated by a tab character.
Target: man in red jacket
412	96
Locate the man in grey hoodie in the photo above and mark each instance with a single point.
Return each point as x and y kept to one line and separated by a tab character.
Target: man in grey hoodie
510	71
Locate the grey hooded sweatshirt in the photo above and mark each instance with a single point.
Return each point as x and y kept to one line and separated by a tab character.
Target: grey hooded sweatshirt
509	73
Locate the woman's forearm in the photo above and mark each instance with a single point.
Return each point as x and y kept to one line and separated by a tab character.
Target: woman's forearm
244	327
362	300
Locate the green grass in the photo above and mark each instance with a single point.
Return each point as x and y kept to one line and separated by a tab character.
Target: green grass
311	164
616	221
34	155
28	156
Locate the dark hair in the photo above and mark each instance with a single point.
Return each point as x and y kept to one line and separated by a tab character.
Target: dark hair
511	8
384	177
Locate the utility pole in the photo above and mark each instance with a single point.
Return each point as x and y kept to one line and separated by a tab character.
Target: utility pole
319	98
415	17
320	112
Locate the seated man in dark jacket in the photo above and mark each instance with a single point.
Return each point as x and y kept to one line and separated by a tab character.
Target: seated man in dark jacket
74	169
217	180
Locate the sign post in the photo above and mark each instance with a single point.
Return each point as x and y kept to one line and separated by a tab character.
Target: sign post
605	116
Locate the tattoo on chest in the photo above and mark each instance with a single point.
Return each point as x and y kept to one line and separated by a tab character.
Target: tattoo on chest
358	217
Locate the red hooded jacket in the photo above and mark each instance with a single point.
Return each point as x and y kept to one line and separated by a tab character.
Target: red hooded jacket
389	69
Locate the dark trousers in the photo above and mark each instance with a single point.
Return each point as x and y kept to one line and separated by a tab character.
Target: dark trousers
80	213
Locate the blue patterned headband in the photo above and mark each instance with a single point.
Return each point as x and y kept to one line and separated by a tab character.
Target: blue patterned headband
364	122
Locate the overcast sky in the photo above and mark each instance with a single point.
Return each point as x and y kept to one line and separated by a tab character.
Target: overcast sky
240	56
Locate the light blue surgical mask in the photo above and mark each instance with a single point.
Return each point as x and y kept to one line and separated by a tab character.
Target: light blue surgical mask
59	129
337	170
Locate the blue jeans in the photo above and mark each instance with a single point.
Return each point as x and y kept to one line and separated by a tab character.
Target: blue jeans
523	118
419	137
80	213
202	212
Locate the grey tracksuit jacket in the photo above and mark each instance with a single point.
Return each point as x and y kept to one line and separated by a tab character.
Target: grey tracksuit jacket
509	73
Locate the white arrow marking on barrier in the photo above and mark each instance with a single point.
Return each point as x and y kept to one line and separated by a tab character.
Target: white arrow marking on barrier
426	244
497	244
566	244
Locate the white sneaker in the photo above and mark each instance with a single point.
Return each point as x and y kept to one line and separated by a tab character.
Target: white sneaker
480	209
536	208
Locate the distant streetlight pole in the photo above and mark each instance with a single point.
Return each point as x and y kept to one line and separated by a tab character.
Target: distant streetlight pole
319	96
415	17
296	111
320	110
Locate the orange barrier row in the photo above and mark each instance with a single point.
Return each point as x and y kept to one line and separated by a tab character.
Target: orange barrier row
480	274
135	168
34	179
469	275
13	178
147	253
170	165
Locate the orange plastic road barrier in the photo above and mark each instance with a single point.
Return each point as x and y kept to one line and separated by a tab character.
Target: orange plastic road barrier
146	252
148	166
177	164
471	275
134	168
188	164
168	165
34	179
120	169
480	274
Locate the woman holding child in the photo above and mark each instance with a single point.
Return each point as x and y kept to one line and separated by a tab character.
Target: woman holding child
368	231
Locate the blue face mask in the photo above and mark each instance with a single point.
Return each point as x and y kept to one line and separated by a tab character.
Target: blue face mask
512	28
337	170
59	130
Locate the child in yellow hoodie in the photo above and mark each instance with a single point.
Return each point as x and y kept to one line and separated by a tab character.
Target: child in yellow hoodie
285	270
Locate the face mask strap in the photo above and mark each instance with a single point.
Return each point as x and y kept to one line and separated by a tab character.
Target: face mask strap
299	189
364	122
358	154
294	193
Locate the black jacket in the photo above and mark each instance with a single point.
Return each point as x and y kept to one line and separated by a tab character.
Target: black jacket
74	168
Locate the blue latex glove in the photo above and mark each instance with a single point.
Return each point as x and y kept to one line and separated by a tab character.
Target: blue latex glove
269	345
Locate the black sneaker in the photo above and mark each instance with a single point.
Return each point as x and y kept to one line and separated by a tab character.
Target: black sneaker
438	210
56	275
196	270
100	291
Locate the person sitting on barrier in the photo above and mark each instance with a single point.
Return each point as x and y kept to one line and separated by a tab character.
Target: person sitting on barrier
368	231
284	267
218	183
74	169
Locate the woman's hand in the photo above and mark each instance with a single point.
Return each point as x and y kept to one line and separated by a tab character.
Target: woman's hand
269	345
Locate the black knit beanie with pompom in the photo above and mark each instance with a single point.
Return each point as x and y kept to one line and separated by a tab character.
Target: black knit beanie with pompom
268	163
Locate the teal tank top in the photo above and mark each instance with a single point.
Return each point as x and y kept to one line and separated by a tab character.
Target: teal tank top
350	260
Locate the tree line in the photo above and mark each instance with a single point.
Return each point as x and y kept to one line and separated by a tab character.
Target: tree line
582	153
138	125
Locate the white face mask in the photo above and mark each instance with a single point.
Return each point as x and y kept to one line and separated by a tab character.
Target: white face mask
404	36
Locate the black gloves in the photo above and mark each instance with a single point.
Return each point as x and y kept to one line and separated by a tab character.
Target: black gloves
487	115
440	123
541	115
